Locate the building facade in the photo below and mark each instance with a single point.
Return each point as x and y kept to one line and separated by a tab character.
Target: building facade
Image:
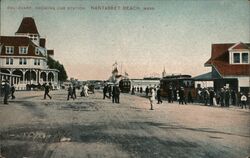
230	64
25	55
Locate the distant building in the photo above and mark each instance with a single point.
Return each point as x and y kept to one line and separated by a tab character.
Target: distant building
25	55
145	82
164	73
230	66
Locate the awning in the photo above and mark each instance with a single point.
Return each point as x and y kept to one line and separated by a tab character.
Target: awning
204	77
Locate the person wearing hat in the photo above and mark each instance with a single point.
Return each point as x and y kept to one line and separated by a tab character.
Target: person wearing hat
182	99
12	89
46	91
158	94
6	91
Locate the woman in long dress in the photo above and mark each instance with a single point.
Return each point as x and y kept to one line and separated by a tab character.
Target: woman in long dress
152	98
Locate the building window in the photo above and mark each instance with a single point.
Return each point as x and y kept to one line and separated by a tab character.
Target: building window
245	58
9	50
36	61
23	50
9	61
236	58
22	61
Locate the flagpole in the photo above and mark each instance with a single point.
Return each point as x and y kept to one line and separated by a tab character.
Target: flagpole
121	68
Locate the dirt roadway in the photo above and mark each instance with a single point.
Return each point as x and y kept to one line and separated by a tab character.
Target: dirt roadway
92	127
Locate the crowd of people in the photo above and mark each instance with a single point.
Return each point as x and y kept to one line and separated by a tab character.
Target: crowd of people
223	97
207	96
72	91
8	90
113	92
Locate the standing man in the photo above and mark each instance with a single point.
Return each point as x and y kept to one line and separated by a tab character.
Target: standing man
233	96
6	91
222	97
118	91
12	89
159	96
74	92
170	94
181	96
133	90
146	90
70	92
206	96
190	97
110	91
141	89
46	91
114	94
105	90
211	96
227	97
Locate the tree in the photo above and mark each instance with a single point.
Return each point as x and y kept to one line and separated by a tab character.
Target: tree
53	64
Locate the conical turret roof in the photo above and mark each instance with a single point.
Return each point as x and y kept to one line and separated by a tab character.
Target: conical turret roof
27	25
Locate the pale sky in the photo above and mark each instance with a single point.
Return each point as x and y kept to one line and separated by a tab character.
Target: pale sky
176	34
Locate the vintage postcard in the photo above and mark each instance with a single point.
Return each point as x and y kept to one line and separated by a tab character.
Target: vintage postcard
124	78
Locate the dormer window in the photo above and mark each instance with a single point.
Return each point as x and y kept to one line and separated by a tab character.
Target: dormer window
245	58
23	50
37	51
240	58
9	49
236	58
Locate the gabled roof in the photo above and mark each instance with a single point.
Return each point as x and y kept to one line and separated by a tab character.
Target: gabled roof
218	50
220	59
239	46
27	25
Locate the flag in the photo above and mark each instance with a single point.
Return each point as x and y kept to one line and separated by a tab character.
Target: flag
115	64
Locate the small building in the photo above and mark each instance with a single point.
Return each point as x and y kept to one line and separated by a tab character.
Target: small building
230	64
26	55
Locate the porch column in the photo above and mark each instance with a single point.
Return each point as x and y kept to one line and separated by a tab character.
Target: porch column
47	76
38	76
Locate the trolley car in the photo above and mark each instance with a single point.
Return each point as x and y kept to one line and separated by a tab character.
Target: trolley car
175	82
125	85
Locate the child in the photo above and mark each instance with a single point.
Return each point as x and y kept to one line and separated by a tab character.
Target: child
243	100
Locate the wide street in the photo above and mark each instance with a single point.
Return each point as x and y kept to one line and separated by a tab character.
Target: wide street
31	127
